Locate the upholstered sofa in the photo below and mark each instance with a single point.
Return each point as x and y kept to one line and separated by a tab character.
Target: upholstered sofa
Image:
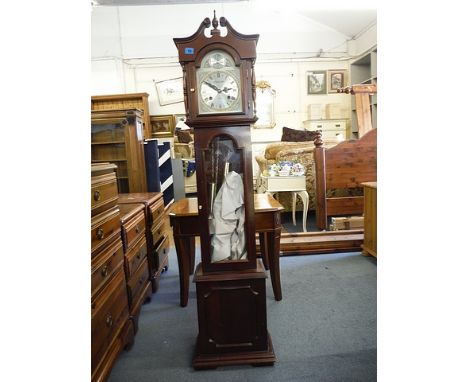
302	152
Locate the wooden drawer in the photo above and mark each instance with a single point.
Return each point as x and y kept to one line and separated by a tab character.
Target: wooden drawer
104	194
137	283
103	227
109	312
134	257
101	372
157	232
133	230
106	263
157	211
162	252
285	183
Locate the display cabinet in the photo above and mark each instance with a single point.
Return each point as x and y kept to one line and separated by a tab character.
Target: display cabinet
125	101
219	94
117	137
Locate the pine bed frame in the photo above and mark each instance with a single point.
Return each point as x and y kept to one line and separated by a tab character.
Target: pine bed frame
345	165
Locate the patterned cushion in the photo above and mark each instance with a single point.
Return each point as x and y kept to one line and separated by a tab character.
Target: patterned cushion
293	135
184	136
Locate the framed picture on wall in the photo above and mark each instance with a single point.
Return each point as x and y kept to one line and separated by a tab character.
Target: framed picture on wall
170	91
317	82
336	79
162	126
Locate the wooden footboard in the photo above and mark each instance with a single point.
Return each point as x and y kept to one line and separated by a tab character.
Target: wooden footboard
345	165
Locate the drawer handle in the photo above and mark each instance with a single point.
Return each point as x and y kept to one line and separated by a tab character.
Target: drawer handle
142	279
100	233
138	256
105	271
137	229
97	196
109	321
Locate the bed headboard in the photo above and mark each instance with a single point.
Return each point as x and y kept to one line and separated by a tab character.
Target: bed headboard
345	165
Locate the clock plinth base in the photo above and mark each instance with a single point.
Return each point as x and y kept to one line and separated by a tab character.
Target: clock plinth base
254	358
232	319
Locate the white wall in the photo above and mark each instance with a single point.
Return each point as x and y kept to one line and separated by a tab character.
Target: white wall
366	41
132	47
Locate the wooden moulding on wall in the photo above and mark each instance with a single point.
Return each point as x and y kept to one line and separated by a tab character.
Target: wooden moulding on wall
125	101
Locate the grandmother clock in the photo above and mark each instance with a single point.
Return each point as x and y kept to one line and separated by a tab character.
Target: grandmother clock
219	95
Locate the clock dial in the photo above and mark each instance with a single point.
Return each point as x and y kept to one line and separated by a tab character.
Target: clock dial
219	88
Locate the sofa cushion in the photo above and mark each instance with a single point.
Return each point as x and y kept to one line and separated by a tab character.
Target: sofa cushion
293	135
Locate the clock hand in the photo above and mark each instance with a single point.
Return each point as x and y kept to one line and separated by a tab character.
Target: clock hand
213	87
226	89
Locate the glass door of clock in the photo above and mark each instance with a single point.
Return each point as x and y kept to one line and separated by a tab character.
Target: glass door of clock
226	206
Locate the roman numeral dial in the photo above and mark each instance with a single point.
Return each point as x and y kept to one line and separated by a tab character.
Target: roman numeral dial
219	90
218	80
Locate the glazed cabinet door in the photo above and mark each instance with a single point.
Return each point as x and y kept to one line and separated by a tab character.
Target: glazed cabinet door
225	198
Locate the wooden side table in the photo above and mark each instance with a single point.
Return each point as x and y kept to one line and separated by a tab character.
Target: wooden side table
369	247
294	184
185	225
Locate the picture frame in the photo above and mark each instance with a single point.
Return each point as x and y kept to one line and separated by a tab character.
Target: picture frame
265	106
317	82
162	126
170	91
337	79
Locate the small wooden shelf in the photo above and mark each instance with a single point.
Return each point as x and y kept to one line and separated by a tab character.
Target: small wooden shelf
108	143
109	160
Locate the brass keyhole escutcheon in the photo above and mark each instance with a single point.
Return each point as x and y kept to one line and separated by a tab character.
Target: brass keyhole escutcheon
109	321
105	271
137	229
97	196
100	233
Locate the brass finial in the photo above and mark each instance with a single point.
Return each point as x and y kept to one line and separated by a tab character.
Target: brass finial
215	20
215	24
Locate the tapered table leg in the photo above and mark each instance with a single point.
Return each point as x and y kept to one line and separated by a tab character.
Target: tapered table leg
183	246
273	252
191	249
305	205
264	249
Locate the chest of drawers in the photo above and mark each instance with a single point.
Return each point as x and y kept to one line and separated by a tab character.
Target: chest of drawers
156	239
330	128
111	327
133	227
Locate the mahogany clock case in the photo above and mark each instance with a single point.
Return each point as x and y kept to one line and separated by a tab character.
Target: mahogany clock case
231	300
192	51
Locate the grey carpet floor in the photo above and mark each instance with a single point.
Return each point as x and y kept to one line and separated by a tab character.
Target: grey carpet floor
324	329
